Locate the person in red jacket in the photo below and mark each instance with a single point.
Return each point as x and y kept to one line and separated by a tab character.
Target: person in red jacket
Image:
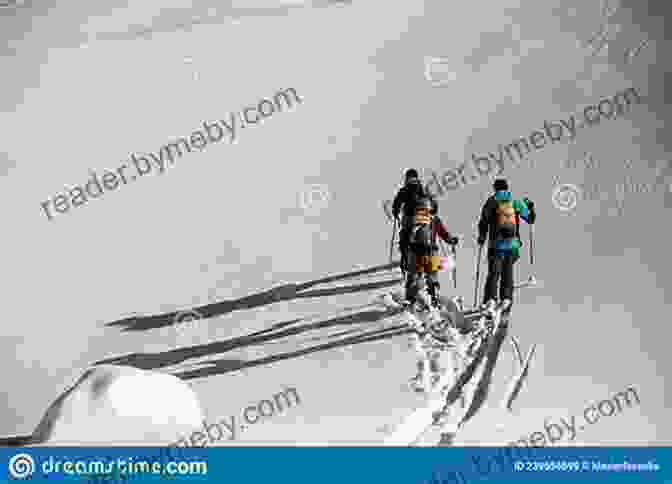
423	260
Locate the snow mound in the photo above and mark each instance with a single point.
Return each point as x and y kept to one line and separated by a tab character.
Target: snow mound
121	405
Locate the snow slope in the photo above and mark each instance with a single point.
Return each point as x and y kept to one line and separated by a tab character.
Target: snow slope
223	232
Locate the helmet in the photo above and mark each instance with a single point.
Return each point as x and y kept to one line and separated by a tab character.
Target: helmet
411	173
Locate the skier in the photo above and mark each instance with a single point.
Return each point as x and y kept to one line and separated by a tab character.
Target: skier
423	265
422	252
500	224
408	196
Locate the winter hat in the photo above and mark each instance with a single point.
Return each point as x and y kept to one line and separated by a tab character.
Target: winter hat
412	173
500	185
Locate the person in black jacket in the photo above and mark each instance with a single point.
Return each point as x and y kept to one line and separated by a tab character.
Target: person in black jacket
500	224
408	198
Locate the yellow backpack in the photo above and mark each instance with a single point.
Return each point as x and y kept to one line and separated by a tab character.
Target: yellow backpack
506	220
422	216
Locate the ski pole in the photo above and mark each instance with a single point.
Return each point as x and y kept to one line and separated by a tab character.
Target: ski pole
394	236
478	275
454	253
532	244
454	250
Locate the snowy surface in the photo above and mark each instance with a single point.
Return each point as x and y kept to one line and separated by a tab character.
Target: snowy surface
121	405
223	231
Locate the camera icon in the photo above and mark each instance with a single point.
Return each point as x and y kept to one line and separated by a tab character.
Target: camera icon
314	198
438	72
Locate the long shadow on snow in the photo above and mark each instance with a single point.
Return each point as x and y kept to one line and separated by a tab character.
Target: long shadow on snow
282	293
151	361
218	367
285	292
221	366
15	441
224	366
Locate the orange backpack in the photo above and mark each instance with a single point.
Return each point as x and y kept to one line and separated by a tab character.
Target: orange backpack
506	220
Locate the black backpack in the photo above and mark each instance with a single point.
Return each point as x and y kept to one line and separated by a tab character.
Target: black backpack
421	239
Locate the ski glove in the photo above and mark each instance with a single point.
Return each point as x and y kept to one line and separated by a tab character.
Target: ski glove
529	203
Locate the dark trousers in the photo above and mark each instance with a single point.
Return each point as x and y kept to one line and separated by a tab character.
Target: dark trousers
500	269
403	241
404	234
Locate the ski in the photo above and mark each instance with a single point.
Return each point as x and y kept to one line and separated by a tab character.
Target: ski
444	391
440	411
495	340
483	359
